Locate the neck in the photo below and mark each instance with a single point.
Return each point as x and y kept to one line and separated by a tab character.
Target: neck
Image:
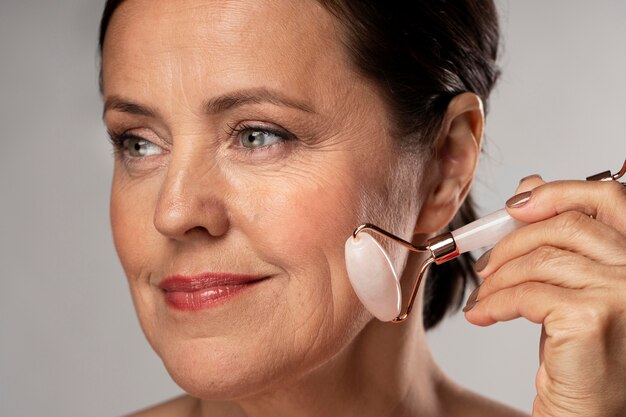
386	370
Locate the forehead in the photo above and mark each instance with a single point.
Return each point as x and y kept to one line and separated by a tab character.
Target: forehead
214	46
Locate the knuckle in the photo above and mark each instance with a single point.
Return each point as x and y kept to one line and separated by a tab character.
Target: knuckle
615	190
572	221
597	315
594	319
541	379
615	197
526	290
545	255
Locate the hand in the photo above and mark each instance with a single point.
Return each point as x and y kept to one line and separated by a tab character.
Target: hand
566	270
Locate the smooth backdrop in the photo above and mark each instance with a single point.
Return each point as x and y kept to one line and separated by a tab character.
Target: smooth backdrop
70	344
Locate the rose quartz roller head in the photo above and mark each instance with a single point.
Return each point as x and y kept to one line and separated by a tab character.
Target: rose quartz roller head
372	276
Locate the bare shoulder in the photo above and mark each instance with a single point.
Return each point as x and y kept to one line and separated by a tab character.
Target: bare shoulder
182	406
466	403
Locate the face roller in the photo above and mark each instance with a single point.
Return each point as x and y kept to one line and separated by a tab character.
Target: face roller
377	284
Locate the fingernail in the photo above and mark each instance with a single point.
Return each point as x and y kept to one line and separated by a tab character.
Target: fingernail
518	200
471	300
529	177
482	262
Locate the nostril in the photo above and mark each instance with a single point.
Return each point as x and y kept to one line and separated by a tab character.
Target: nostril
218	225
198	229
192	221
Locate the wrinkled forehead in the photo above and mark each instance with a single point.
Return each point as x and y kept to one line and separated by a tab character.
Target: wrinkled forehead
211	46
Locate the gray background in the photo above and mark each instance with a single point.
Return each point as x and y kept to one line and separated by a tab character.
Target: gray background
69	341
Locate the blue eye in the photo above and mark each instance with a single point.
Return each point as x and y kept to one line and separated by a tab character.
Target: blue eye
138	148
254	139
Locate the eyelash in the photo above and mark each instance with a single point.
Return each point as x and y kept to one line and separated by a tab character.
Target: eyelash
117	139
234	132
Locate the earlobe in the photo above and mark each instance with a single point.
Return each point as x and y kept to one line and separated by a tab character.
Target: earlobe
454	164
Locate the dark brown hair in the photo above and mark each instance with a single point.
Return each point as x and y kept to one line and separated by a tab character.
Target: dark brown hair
420	53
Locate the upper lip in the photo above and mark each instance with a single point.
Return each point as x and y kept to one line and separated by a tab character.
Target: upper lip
189	283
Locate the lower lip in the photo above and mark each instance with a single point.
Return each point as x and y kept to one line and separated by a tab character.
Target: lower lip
205	297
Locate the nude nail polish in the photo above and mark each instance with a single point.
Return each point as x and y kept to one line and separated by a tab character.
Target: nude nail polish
471	300
518	200
482	262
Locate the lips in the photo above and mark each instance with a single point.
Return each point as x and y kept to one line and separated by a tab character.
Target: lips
190	293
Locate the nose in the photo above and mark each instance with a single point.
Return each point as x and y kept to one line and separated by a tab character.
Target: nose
190	201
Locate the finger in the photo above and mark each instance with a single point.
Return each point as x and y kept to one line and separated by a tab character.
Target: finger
554	266
571	231
604	200
532	300
529	183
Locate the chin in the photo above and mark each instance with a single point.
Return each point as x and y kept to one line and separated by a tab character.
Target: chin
223	370
211	374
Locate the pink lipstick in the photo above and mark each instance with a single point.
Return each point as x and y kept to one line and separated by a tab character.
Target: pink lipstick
190	293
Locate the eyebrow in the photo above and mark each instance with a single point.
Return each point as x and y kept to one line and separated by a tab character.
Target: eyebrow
122	105
216	104
254	96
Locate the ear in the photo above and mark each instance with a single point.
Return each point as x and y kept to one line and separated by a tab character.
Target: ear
452	169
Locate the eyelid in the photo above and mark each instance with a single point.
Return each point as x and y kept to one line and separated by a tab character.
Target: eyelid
234	131
120	149
116	137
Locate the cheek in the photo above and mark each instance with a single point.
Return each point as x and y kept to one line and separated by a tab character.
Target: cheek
136	241
304	228
131	223
300	223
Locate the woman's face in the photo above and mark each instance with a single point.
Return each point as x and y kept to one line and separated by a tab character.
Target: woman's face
251	147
